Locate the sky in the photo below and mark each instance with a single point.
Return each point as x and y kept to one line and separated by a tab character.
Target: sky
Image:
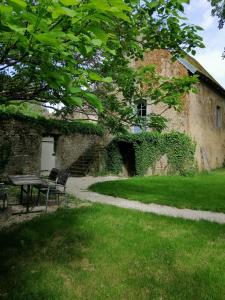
198	12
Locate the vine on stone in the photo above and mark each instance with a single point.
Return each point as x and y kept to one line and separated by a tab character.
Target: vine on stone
149	147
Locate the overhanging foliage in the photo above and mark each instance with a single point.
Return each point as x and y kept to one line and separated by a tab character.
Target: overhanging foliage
65	51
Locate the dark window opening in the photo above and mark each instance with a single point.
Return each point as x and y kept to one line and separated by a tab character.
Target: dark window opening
142	109
218	117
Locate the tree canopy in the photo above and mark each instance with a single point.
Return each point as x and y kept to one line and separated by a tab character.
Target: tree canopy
72	52
218	9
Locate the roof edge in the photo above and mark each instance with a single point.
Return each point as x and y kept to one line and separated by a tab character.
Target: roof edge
194	67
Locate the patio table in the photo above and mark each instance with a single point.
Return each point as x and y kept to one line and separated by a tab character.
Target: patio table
26	180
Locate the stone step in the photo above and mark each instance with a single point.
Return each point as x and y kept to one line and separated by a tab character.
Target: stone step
82	165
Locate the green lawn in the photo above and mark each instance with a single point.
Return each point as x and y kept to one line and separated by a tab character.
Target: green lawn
204	191
104	252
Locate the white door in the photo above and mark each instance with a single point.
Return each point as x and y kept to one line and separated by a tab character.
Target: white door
47	154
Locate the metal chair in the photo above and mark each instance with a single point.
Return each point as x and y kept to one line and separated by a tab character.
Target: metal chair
3	196
58	189
51	180
53	174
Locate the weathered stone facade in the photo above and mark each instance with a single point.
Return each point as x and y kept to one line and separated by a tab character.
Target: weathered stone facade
198	118
70	148
20	147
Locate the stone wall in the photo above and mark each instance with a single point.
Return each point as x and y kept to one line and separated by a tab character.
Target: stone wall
202	127
70	148
198	118
20	147
166	67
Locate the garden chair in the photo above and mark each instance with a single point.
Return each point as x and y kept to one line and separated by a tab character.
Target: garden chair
52	177
53	174
3	196
57	189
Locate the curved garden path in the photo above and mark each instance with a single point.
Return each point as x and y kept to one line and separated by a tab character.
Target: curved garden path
79	186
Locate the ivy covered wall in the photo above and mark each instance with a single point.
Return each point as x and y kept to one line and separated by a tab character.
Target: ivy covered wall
21	139
149	147
54	125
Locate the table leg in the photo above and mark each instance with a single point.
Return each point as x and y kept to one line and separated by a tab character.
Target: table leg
21	194
28	198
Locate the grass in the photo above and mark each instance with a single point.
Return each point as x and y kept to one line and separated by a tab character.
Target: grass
203	191
104	252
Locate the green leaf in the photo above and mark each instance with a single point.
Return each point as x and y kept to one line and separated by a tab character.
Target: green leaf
96	42
94	76
107	79
88	49
120	4
199	28
153	4
94	100
72	37
69	2
185	1
19	3
16	28
49	38
100	4
112	51
99	33
121	15
75	90
74	101
6	11
59	11
97	77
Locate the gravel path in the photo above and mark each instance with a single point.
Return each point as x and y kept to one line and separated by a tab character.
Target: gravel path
78	187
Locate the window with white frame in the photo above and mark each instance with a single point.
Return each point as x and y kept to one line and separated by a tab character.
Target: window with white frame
141	111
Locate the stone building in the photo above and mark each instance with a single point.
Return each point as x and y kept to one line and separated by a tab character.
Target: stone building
27	146
203	116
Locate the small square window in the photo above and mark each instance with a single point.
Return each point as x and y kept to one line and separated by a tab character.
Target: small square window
218	117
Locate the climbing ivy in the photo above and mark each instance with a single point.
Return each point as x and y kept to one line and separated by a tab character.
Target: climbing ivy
62	126
149	147
114	160
146	154
180	151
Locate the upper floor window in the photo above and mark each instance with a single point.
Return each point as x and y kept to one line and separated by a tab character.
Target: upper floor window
142	109
218	117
